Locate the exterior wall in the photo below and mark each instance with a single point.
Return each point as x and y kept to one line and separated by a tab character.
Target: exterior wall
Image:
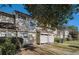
21	24
3	31
8	34
66	33
32	37
24	31
59	33
6	19
24	36
2	34
55	33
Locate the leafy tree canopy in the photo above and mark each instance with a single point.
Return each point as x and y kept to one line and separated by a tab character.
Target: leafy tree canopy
73	27
52	14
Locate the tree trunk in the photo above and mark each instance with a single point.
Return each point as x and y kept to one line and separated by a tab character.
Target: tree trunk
37	37
18	42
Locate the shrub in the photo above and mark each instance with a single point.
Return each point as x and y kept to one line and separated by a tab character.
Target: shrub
8	48
57	39
0	50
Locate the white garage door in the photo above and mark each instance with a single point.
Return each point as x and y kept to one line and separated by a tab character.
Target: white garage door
44	38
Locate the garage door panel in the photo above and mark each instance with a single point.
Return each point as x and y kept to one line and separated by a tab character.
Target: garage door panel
43	39
46	38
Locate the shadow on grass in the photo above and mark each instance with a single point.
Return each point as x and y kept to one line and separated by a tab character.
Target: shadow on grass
74	46
29	47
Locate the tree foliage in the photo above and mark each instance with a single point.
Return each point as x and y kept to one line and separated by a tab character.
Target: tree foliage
73	32
73	27
8	48
52	14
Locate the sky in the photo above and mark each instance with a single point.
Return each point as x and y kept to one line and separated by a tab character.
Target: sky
74	21
20	8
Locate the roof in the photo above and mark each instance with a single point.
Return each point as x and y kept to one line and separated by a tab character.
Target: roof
22	14
7	14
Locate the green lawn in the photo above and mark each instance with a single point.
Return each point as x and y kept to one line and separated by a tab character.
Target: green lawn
76	42
70	45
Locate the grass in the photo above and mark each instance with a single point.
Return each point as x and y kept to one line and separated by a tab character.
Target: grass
69	45
76	42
